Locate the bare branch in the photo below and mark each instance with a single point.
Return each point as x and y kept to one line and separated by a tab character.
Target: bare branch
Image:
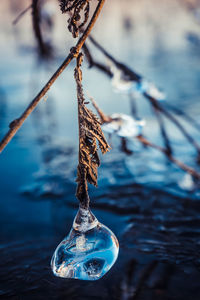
44	49
163	131
177	162
94	63
104	118
131	75
184	115
146	142
190	139
14	127
16	20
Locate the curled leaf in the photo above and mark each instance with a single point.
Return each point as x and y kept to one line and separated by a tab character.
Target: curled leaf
79	10
91	138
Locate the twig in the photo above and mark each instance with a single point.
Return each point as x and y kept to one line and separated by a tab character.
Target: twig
135	77
16	124
177	162
16	20
190	139
124	146
163	131
187	117
104	118
45	50
130	73
94	63
146	142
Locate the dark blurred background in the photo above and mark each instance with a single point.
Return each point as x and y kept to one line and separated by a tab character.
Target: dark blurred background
152	206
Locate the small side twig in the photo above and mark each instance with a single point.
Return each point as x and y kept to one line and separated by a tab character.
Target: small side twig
44	49
16	20
147	143
177	162
165	112
94	63
163	131
136	77
129	73
103	117
14	127
181	113
124	147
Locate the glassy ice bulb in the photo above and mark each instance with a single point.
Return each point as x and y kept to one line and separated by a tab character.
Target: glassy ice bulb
124	126
88	252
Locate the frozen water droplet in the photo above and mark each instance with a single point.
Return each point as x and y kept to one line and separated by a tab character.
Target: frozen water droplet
119	81
147	87
88	252
124	126
122	83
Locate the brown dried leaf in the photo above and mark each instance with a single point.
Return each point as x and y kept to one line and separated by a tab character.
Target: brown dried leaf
91	138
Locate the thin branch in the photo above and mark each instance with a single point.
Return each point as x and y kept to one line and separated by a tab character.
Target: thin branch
44	49
129	73
181	113
163	131
190	139
104	118
177	162
94	63
135	77
145	142
16	124
124	147
16	20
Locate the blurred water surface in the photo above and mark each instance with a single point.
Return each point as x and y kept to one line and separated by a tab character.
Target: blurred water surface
152	207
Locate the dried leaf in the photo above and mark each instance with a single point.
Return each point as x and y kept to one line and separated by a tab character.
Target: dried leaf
90	138
76	7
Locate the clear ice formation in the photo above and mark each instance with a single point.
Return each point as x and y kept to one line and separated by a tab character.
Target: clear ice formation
124	126
88	252
147	87
122	84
